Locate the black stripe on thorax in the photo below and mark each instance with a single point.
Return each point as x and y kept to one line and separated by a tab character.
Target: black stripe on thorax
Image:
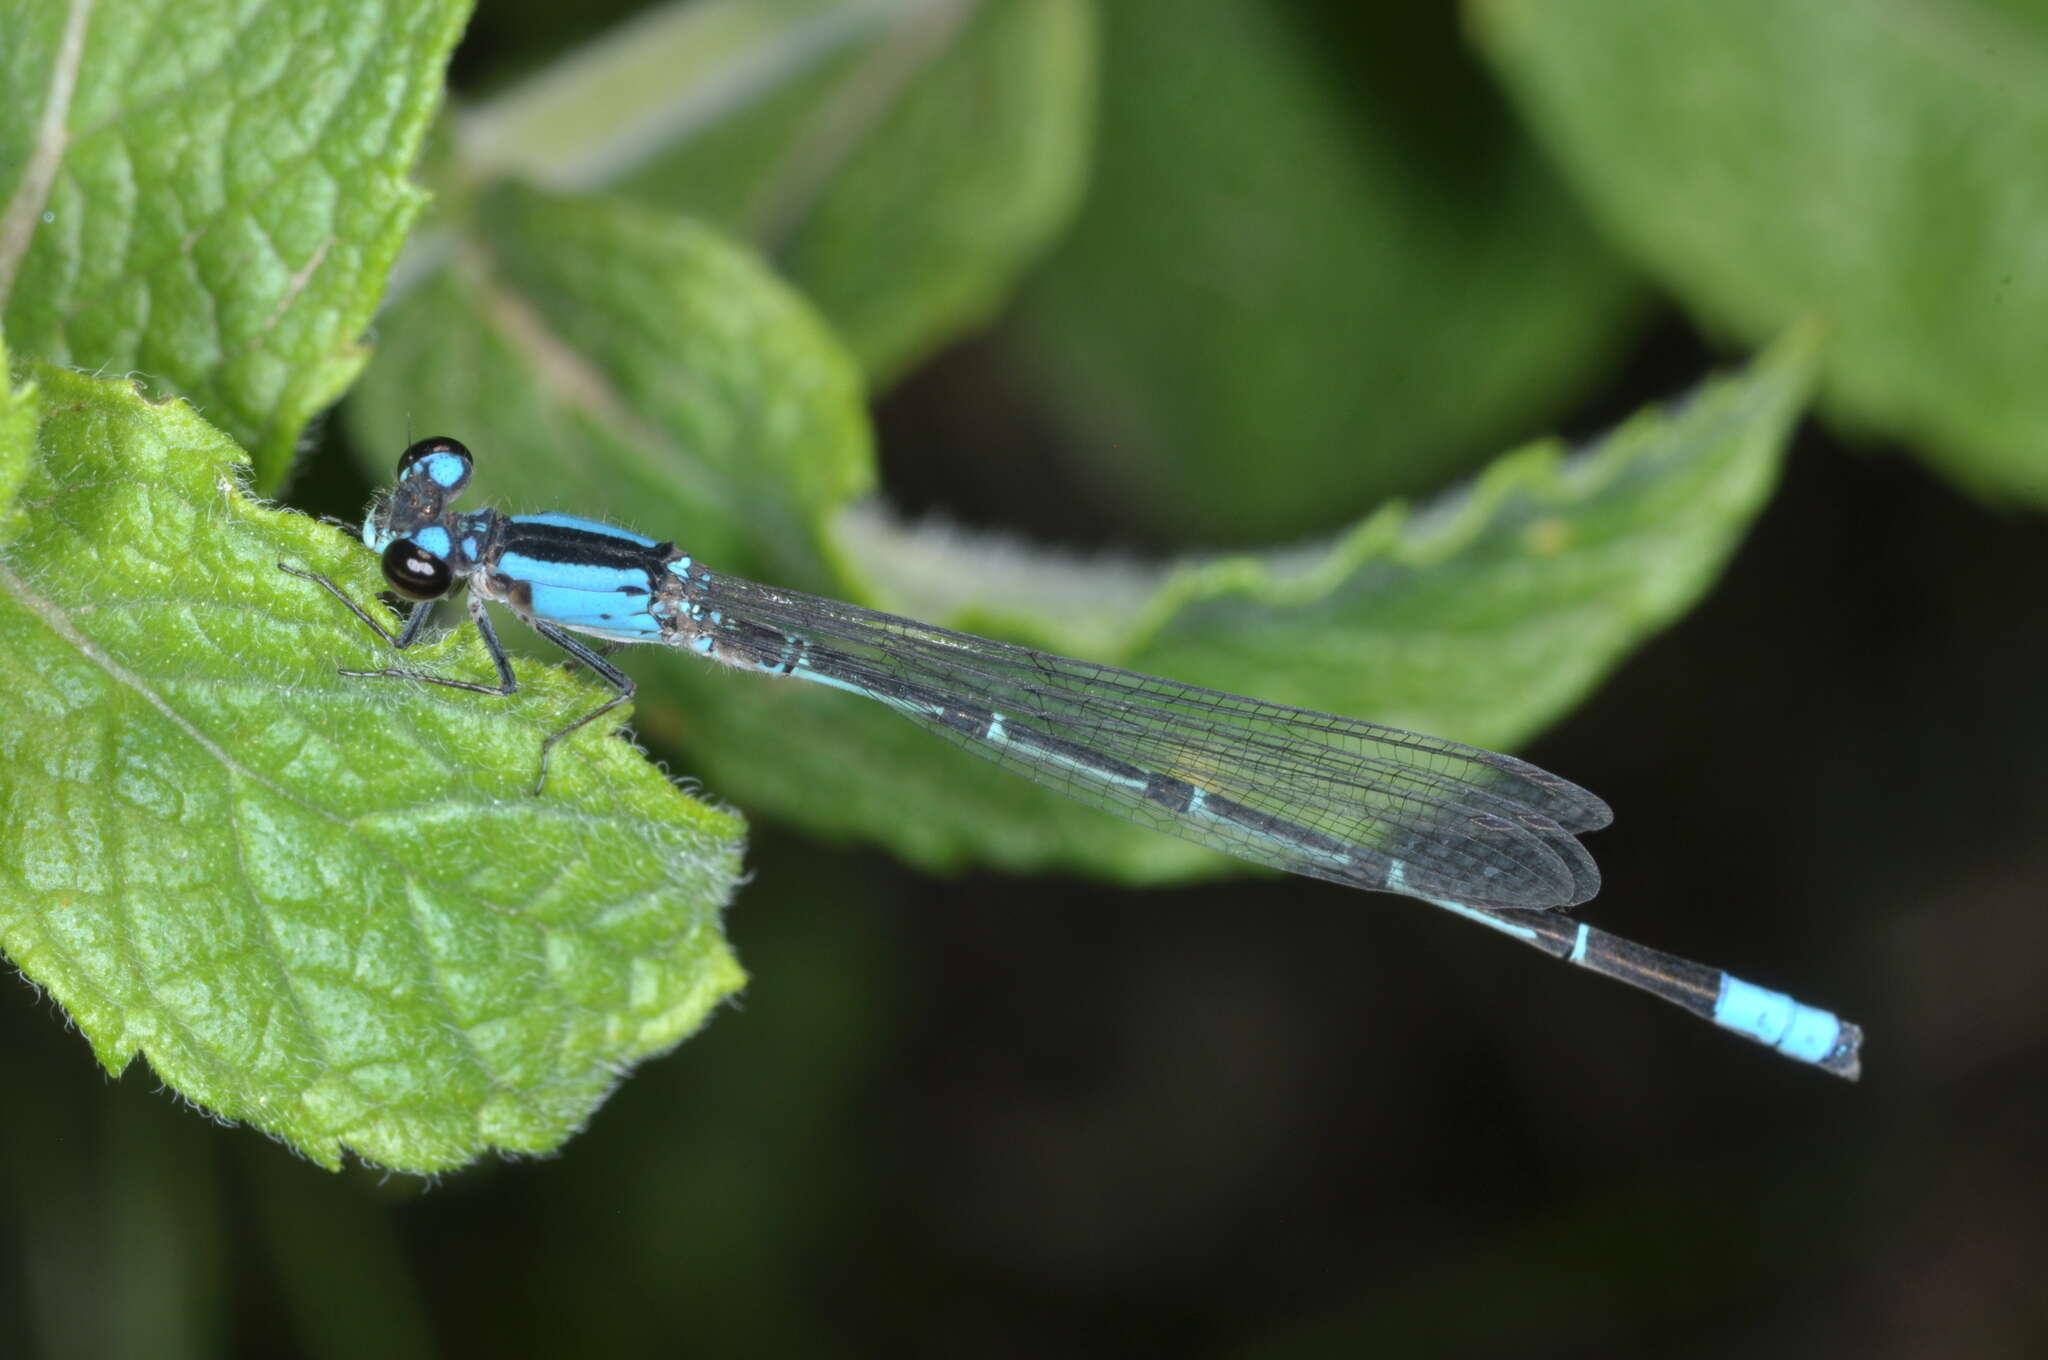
582	548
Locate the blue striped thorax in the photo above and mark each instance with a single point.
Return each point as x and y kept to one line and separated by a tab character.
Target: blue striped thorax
595	578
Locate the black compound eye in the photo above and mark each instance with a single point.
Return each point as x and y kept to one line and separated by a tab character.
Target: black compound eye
441	460
414	572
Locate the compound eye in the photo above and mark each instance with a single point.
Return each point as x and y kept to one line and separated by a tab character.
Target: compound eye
414	572
441	460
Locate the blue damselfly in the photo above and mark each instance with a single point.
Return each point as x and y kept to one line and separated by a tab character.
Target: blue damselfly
1490	837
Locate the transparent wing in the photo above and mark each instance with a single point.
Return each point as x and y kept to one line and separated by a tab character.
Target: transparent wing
1310	793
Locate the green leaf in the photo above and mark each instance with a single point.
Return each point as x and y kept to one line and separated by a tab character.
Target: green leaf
324	906
1876	164
923	230
212	193
1316	245
1482	616
640	360
17	444
901	160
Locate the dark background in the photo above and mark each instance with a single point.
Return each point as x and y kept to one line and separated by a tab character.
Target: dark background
998	1116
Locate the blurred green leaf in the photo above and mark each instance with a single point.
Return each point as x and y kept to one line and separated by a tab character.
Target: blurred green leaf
974	168
323	906
211	193
1879	164
661	79
1481	617
1316	245
901	160
641	362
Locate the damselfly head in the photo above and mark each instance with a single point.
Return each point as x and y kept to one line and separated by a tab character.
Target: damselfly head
430	474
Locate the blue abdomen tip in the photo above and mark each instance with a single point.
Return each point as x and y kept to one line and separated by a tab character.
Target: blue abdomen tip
1793	1028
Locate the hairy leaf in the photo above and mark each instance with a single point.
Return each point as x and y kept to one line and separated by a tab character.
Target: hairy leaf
210	193
326	907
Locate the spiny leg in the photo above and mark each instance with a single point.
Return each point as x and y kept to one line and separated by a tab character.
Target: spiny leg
507	684
414	621
603	669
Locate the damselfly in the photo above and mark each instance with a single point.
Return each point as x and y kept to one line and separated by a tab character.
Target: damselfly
1490	837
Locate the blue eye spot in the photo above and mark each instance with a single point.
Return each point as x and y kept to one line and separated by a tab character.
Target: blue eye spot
446	470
